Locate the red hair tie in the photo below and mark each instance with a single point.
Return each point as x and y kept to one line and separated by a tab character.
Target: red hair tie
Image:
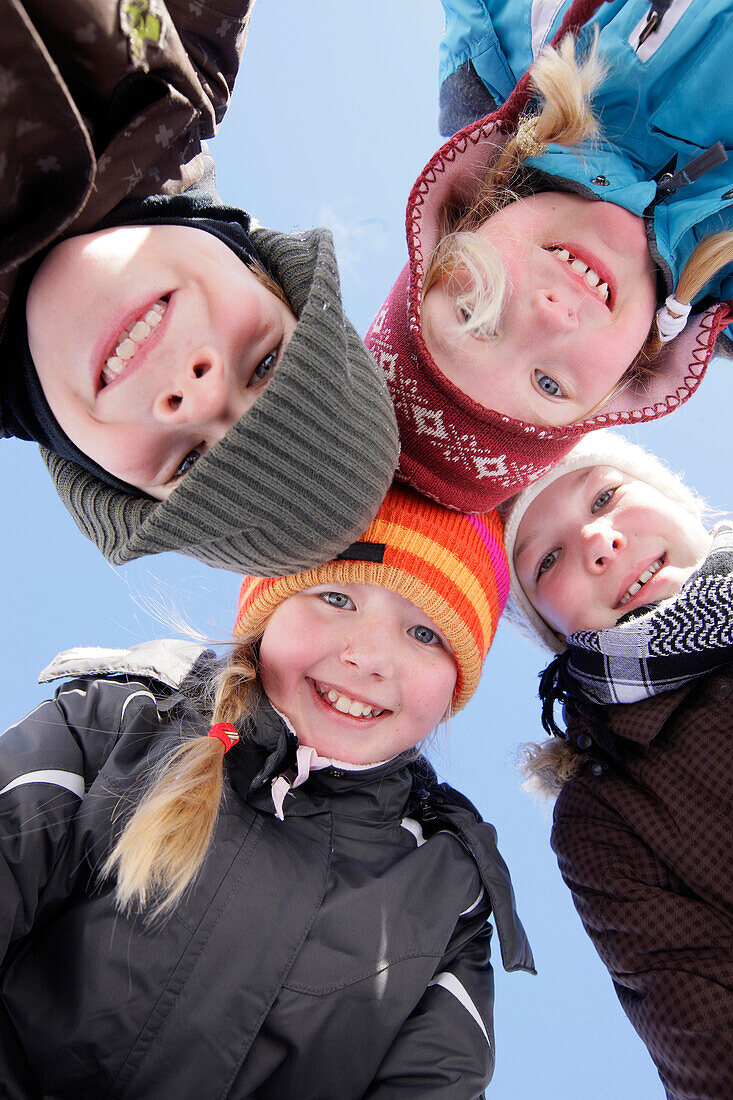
224	732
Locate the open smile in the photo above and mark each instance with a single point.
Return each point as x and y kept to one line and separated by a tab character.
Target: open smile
138	335
644	577
348	705
587	270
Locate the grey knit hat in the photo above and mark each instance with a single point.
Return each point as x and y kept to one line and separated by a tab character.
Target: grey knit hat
298	477
601	448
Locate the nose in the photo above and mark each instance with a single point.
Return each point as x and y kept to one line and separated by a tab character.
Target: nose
195	393
554	311
369	651
600	545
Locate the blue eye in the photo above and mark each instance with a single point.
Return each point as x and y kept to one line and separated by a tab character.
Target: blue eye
547	385
424	635
603	499
547	562
188	463
264	367
337	599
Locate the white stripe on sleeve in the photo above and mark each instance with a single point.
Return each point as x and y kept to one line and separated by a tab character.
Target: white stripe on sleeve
450	982
70	780
135	695
415	828
475	904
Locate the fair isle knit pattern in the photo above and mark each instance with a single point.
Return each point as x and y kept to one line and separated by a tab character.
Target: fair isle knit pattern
682	638
452	566
453	449
298	477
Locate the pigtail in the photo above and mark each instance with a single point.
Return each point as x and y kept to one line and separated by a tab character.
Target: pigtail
708	257
163	845
565	86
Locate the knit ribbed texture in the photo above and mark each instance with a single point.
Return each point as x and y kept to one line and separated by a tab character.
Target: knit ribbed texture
602	448
298	477
450	565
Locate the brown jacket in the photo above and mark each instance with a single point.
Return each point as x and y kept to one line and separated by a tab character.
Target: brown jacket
101	100
647	851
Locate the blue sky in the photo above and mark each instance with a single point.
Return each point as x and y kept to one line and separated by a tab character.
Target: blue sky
333	116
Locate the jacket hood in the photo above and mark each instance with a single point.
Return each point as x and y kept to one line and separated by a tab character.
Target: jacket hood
453	449
298	477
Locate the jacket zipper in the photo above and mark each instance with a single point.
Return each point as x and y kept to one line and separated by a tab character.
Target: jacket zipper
654	17
649	34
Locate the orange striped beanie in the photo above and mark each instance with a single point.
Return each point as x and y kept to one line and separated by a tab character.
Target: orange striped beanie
450	565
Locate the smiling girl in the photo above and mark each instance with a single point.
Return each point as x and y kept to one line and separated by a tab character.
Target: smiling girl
569	255
289	906
613	569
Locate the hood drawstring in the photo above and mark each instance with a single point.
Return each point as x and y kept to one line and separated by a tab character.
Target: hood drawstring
307	761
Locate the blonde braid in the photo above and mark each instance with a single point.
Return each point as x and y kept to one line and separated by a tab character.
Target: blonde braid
163	845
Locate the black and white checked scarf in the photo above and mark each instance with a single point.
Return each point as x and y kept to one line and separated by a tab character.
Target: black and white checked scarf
686	636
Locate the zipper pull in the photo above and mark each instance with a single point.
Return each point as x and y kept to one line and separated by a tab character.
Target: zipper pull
653	20
692	171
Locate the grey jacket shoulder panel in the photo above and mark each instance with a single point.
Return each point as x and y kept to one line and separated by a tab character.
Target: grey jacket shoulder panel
169	660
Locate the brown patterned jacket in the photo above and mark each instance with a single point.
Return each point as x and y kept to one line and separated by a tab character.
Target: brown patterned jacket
646	848
102	100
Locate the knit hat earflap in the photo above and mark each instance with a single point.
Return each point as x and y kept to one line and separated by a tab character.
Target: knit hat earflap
452	566
601	448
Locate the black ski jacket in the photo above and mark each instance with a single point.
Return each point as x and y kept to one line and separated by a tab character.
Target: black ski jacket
340	953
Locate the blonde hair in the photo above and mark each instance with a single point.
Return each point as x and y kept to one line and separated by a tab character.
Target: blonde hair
708	257
163	844
565	85
268	282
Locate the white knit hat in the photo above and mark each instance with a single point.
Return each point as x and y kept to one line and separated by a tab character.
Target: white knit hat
601	448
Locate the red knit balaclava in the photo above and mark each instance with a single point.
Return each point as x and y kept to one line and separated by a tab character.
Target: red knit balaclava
453	449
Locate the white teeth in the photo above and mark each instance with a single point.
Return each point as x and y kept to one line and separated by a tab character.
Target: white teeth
643	578
346	705
140	330
126	349
591	277
131	339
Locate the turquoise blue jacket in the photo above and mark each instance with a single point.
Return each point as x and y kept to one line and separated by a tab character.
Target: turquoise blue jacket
661	106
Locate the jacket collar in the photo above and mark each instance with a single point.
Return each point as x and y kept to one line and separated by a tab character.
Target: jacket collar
268	749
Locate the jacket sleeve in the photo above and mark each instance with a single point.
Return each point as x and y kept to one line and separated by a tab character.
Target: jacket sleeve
213	36
445	1049
47	762
668	952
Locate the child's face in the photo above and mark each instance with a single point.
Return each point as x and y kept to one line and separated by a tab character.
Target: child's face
562	344
147	405
361	672
597	544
